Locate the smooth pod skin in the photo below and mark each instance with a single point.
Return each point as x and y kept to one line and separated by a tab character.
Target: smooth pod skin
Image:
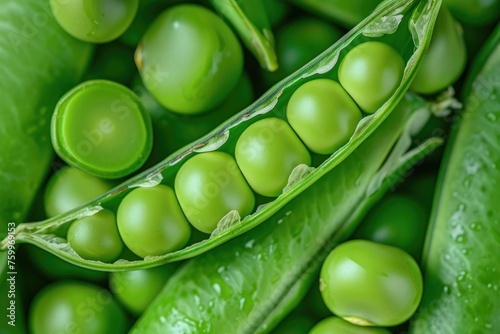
151	222
95	21
136	289
474	12
201	66
445	59
333	325
371	284
267	152
69	188
398	221
323	115
102	128
208	186
32	79
370	73
76	307
96	237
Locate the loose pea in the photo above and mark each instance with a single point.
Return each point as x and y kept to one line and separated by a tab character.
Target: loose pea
445	58
201	65
398	221
96	237
370	73
69	188
475	12
267	152
95	21
367	283
136	289
76	307
337	325
323	115
151	222
102	128
208	186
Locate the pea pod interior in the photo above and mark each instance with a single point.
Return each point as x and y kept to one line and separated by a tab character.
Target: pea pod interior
406	26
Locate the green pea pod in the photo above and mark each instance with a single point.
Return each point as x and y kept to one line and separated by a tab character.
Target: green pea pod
39	63
461	287
256	279
404	25
249	19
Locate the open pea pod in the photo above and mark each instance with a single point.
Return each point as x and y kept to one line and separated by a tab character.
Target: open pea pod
406	26
257	278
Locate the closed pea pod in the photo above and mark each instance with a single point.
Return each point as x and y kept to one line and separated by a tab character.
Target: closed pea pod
267	152
210	185
151	222
323	115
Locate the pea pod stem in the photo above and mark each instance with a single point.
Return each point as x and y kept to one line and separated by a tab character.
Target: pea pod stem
250	21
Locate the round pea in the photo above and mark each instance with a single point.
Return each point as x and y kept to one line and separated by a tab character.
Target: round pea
76	307
136	289
323	115
370	72
338	325
201	65
267	152
69	187
398	221
95	21
208	186
102	128
96	237
151	222
368	283
294	324
475	12
445	58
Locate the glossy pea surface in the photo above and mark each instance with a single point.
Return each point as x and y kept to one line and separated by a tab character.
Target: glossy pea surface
94	21
475	12
69	188
371	284
76	307
96	237
208	186
370	73
201	65
136	289
267	152
333	325
323	115
151	222
102	128
445	59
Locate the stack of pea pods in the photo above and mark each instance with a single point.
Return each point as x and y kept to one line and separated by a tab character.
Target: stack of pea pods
263	166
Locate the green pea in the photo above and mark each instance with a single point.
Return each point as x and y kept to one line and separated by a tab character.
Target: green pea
69	188
201	65
294	324
208	186
96	237
136	289
295	47
94	21
151	222
370	73
372	284
398	221
323	115
338	325
445	58
102	128
475	12
75	307
267	152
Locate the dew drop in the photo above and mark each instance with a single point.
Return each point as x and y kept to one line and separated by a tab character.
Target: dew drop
242	303
466	183
249	244
217	288
491	117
